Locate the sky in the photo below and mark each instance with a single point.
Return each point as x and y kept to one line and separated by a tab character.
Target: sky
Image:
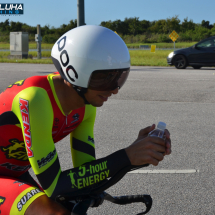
55	13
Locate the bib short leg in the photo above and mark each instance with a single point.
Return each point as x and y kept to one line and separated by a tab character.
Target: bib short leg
16	195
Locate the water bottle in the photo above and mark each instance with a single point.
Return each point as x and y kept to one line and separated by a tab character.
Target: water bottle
158	131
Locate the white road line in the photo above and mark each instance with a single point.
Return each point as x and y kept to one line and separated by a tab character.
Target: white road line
199	79
182	171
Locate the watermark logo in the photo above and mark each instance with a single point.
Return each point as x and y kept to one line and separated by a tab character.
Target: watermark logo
12	9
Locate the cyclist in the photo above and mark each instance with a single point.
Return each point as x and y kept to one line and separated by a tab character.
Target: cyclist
92	63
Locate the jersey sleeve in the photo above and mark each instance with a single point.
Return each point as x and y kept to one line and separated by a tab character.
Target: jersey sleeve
82	139
34	111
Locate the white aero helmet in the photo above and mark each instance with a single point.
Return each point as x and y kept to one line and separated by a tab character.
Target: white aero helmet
92	57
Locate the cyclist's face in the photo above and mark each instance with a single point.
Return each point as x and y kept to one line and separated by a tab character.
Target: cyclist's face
97	98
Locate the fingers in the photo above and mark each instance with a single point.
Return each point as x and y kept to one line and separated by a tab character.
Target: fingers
167	142
148	157
156	140
155	158
155	154
168	147
166	133
144	132
149	150
155	144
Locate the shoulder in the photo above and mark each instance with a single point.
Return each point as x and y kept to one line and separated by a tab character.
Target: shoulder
34	97
90	112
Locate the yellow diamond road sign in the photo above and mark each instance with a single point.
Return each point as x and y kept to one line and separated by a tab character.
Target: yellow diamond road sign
174	36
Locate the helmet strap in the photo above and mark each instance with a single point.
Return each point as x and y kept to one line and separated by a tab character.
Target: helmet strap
81	92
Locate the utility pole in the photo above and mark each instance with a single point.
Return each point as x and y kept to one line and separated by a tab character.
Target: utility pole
80	7
39	39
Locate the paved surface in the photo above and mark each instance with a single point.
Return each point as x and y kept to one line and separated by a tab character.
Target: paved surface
185	100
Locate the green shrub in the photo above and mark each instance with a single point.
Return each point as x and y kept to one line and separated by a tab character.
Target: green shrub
50	38
200	33
153	38
164	38
4	38
185	36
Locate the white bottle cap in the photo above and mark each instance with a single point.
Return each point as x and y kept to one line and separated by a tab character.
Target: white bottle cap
161	125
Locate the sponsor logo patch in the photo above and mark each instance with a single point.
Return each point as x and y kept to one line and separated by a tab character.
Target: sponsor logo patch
75	117
18	182
47	159
90	139
18	83
2	200
97	173
26	197
15	167
24	108
56	121
16	150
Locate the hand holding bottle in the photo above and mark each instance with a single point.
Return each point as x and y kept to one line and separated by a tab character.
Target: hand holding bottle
149	149
161	132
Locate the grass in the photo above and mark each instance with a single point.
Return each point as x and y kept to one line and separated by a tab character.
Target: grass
148	58
32	45
46	54
35	61
138	58
162	45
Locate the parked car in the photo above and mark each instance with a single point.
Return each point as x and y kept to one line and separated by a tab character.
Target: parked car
198	55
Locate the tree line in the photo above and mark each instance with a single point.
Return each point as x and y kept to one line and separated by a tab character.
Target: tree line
132	30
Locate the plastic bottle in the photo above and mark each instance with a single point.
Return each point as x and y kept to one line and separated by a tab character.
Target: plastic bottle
159	130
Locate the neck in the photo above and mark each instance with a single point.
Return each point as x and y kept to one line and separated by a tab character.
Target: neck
68	97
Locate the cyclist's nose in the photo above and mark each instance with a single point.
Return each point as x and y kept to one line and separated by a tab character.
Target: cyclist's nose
115	91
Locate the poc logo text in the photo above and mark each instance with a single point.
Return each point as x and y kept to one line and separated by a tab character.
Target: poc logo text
64	58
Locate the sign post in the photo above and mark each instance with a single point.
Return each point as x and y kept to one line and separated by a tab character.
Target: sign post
38	39
80	18
174	36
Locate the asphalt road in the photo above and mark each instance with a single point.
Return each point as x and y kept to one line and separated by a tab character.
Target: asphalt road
185	100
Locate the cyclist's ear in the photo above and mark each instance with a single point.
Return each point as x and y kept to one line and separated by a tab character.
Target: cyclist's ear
144	132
